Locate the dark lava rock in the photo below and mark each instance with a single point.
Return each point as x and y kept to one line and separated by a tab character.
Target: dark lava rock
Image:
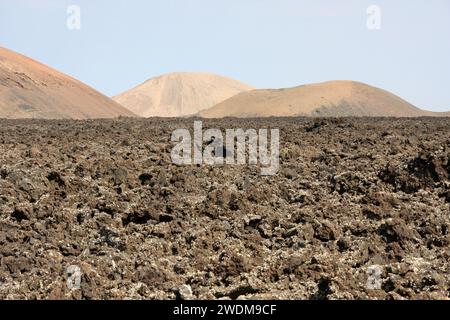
103	198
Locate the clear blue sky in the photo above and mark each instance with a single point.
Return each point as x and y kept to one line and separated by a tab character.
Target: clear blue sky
265	43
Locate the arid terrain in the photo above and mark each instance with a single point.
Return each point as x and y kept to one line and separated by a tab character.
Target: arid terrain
340	98
32	90
179	94
103	196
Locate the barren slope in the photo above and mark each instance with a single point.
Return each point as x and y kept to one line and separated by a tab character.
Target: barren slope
179	94
334	98
29	89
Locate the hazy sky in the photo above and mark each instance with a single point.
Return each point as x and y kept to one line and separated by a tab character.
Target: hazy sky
265	43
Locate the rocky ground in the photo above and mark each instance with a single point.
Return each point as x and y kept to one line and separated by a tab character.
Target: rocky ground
359	210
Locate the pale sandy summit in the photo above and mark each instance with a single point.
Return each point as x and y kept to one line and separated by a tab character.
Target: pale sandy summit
179	94
29	89
333	98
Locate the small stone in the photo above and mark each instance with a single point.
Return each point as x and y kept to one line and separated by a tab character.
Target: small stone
326	231
185	292
396	230
289	173
22	211
33	152
343	244
120	175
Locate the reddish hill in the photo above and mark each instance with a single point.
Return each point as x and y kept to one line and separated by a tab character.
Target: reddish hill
29	89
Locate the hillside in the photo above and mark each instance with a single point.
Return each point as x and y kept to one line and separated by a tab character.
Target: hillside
334	98
29	89
179	94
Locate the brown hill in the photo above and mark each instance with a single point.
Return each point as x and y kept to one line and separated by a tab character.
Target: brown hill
179	94
334	98
29	89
